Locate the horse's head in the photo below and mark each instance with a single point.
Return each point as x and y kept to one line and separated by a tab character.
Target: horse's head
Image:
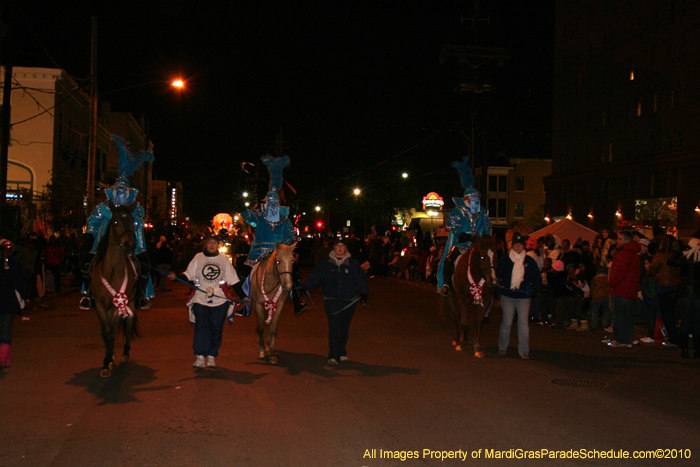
283	258
485	259
122	230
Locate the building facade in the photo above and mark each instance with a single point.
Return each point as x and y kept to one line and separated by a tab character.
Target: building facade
624	142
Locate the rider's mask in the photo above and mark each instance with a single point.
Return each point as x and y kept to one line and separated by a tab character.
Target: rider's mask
121	194
473	202
272	207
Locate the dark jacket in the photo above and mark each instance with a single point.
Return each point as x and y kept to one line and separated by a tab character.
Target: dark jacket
11	279
623	277
340	282
532	280
690	275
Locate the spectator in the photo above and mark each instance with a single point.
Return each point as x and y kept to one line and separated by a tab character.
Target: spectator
600	300
519	279
666	280
689	295
164	262
53	258
623	280
649	300
548	303
13	279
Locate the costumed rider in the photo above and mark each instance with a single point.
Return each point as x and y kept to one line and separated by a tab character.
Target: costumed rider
467	219
271	224
121	194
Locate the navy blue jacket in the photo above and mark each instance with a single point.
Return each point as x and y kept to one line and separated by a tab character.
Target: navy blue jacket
340	282
532	280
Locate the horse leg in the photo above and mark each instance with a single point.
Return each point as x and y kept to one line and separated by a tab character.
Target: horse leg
260	316
108	337
273	331
448	306
128	329
479	318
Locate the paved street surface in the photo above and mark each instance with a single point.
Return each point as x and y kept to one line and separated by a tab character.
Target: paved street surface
405	389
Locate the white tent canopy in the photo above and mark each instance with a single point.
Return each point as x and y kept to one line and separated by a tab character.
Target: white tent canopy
567	229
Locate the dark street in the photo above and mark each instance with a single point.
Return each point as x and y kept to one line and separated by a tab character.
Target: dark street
405	390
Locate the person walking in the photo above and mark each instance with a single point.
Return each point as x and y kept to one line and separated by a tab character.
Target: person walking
210	303
341	278
13	279
164	262
623	280
53	258
519	279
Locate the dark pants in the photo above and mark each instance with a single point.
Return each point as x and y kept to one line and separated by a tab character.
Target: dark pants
338	325
689	308
548	306
667	307
208	328
623	315
56	271
6	328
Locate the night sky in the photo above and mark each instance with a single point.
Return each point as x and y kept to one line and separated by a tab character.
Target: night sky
351	84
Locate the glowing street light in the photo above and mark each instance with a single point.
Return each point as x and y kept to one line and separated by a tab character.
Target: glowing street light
245	194
404	175
318	208
356	191
178	83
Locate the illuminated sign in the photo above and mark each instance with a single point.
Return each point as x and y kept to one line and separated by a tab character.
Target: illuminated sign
433	200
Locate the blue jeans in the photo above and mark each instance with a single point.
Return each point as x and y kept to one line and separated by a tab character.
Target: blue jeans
208	328
510	306
623	312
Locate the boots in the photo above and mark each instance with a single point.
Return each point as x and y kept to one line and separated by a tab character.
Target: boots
5	355
142	302
573	325
584	326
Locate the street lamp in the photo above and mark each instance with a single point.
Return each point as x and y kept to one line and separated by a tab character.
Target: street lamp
432	215
356	191
318	208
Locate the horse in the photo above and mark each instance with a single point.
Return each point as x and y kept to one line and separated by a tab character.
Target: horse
269	289
474	286
114	277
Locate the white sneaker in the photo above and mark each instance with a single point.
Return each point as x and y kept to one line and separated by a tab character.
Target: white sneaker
646	340
332	362
199	363
343	358
211	362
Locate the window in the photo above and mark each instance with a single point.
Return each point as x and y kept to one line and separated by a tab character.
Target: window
519	183
518	209
610	152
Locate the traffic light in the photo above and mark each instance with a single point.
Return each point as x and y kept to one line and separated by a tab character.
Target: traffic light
319	224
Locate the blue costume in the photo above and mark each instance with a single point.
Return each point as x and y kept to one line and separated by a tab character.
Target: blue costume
467	217
121	194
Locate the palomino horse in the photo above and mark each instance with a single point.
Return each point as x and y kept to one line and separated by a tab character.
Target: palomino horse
474	286
269	289
114	280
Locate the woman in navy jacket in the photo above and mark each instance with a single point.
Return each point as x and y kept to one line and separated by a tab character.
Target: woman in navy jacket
341	279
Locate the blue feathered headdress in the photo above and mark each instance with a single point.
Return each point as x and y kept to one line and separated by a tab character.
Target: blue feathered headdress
128	164
275	165
466	177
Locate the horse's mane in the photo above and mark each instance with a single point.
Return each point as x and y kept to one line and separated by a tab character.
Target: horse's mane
103	245
104	241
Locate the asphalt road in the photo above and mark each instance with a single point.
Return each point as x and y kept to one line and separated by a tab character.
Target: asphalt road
406	391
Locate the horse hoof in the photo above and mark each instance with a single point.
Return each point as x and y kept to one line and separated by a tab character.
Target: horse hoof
125	358
459	348
261	355
479	354
273	360
105	373
455	343
112	366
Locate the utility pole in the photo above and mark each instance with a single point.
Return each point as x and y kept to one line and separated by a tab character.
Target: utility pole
92	139
473	61
6	99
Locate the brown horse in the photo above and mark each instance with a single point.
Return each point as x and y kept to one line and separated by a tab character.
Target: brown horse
269	289
474	287
114	278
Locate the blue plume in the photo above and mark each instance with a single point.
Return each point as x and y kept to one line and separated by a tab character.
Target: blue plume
466	177
128	164
275	165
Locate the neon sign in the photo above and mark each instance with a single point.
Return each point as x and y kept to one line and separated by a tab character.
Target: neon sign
433	200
